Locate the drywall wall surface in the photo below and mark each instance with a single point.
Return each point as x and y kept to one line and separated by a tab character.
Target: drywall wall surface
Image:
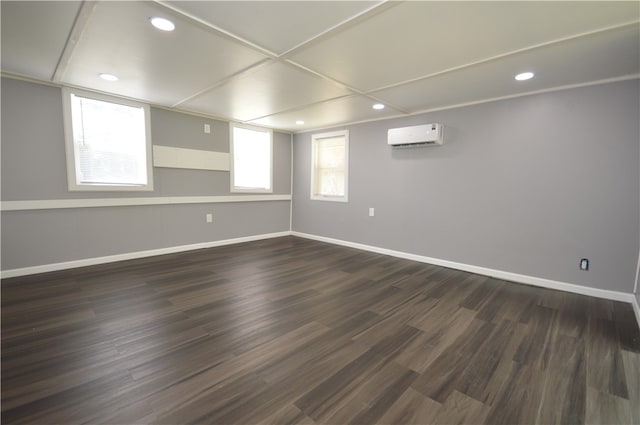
34	161
33	153
187	131
528	185
33	165
41	237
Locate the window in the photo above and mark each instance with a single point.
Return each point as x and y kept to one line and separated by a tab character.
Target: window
251	158
108	142
329	166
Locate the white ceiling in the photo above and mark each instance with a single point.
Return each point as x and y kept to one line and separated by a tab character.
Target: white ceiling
325	62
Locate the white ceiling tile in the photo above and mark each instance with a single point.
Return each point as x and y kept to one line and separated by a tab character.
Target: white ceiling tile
155	66
275	25
415	39
34	35
332	113
217	61
267	90
594	57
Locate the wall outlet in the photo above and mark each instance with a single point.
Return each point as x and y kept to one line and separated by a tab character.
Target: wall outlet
372	212
207	128
584	264
209	218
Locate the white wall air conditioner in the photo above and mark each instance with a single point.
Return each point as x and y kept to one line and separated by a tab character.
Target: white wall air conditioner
417	135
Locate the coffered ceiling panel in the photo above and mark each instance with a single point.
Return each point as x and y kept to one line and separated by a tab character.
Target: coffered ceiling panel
415	39
335	112
274	25
324	62
272	88
34	35
152	65
591	58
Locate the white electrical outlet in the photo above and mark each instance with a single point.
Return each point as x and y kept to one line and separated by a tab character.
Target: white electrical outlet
209	218
372	212
207	128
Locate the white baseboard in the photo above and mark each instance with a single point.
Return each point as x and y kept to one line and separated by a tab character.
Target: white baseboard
5	274
499	274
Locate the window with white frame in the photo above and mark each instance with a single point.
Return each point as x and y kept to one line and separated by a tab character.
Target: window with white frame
108	142
330	166
251	158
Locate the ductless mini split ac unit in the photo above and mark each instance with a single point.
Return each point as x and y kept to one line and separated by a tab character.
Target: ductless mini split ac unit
417	135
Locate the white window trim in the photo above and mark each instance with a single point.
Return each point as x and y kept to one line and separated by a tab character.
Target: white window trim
70	148
234	189
314	137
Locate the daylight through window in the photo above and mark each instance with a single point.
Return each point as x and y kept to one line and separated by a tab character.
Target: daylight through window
329	179
251	149
108	145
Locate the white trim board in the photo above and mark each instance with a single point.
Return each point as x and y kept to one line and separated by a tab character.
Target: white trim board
499	274
635	282
5	274
51	204
195	159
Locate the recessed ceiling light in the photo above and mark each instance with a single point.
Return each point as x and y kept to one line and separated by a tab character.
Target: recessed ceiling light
299	122
524	76
163	24
108	77
378	106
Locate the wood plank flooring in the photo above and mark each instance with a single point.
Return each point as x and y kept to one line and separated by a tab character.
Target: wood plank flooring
293	331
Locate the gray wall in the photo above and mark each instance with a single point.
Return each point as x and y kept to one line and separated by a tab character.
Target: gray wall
34	163
34	168
527	185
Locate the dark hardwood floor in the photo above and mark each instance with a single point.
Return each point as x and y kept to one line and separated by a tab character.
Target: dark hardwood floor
292	331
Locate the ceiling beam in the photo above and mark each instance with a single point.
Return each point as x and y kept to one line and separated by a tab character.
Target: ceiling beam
79	25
